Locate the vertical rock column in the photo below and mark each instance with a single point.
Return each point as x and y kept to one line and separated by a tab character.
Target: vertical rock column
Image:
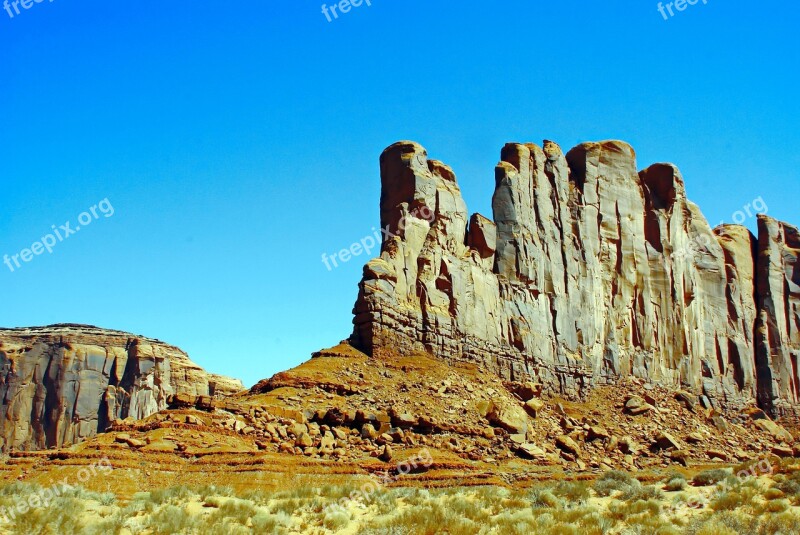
778	325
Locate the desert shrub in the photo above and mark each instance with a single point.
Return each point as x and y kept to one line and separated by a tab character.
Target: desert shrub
780	524
776	506
736	521
713	527
207	491
337	519
675	484
225	527
171	495
61	516
238	511
637	492
107	498
729	501
573	491
264	522
624	511
711	477
465	507
613	481
790	486
514	522
542	498
586	518
170	519
386	502
287	506
105	526
431	517
19	488
773	494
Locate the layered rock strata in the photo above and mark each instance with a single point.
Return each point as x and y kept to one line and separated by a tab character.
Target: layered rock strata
589	271
62	384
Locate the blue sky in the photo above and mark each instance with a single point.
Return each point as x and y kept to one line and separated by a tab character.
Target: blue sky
238	142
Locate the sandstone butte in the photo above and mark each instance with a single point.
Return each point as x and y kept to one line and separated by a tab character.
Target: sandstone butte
590	271
597	318
61	384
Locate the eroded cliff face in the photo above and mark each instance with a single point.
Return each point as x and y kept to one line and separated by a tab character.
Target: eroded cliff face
778	325
590	271
62	384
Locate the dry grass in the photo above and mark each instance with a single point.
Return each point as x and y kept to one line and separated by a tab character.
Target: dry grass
615	503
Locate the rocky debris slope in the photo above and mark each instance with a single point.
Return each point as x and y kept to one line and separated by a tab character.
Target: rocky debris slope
64	383
589	272
369	413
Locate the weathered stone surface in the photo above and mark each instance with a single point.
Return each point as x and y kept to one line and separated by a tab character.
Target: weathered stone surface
531	451
533	407
568	445
778	325
62	384
776	431
512	419
666	441
590	272
637	405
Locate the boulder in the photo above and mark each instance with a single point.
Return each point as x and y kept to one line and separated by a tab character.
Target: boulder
568	445
511	418
774	430
665	441
637	405
533	407
531	451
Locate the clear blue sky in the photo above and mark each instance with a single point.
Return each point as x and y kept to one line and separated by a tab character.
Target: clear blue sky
237	142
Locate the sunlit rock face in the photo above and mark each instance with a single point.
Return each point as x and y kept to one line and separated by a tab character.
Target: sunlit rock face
62	384
589	271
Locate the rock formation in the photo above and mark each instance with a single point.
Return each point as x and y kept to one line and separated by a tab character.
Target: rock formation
590	271
62	384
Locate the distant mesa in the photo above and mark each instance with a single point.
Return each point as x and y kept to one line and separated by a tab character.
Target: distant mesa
64	383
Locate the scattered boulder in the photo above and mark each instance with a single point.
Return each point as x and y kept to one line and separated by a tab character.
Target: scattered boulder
135	443
782	451
531	451
680	456
694	438
513	419
689	400
368	431
665	441
774	430
637	405
567	444
386	454
597	433
533	407
717	454
304	441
